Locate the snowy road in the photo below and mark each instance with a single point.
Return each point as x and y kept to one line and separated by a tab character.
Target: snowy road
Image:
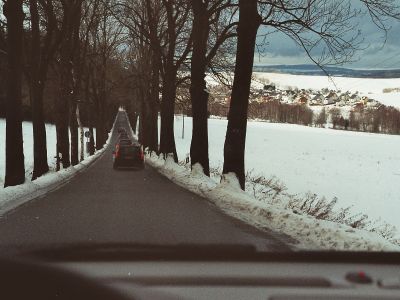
102	205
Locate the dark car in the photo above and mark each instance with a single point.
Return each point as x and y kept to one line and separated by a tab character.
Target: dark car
123	135
121	130
128	156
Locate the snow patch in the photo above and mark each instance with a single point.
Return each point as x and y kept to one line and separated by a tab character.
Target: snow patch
231	182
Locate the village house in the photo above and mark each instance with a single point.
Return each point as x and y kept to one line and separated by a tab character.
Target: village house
373	103
365	100
318	99
269	87
302	99
354	98
344	97
331	98
325	91
328	101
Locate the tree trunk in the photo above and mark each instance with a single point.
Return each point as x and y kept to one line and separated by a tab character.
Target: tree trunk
39	133
81	133
66	88
76	76
134	119
153	121
234	148
92	142
143	138
100	125
167	138
37	78
148	95
198	92
63	110
154	102
89	112
15	169
73	128
3	68
149	116
140	133
63	146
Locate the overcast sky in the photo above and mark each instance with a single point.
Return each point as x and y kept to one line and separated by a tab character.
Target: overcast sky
282	50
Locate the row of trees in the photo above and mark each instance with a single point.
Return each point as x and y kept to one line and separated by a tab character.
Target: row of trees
64	55
198	36
384	119
276	111
168	43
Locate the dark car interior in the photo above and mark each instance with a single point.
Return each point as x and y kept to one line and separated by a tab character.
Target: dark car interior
198	272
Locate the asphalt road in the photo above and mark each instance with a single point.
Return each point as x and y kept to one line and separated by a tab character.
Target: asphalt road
102	205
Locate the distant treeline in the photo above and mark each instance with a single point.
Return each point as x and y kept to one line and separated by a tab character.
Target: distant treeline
276	111
385	119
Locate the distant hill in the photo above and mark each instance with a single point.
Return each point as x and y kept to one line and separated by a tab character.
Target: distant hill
333	71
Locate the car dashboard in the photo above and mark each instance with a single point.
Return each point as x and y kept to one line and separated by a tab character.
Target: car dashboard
274	277
242	280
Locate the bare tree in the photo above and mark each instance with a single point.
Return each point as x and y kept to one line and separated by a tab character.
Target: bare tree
208	16
166	28
321	27
88	55
148	66
42	47
234	147
335	114
320	121
106	35
178	42
144	21
15	169
75	62
65	103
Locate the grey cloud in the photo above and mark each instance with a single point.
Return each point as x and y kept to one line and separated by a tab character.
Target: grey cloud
378	52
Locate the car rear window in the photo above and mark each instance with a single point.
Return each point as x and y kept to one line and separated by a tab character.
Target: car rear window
129	150
125	142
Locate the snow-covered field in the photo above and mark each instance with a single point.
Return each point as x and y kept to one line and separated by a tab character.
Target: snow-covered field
360	169
373	88
28	148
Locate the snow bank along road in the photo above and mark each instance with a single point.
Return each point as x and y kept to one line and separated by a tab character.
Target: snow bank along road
102	205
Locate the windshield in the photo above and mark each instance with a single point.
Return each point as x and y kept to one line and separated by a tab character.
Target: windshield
259	126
